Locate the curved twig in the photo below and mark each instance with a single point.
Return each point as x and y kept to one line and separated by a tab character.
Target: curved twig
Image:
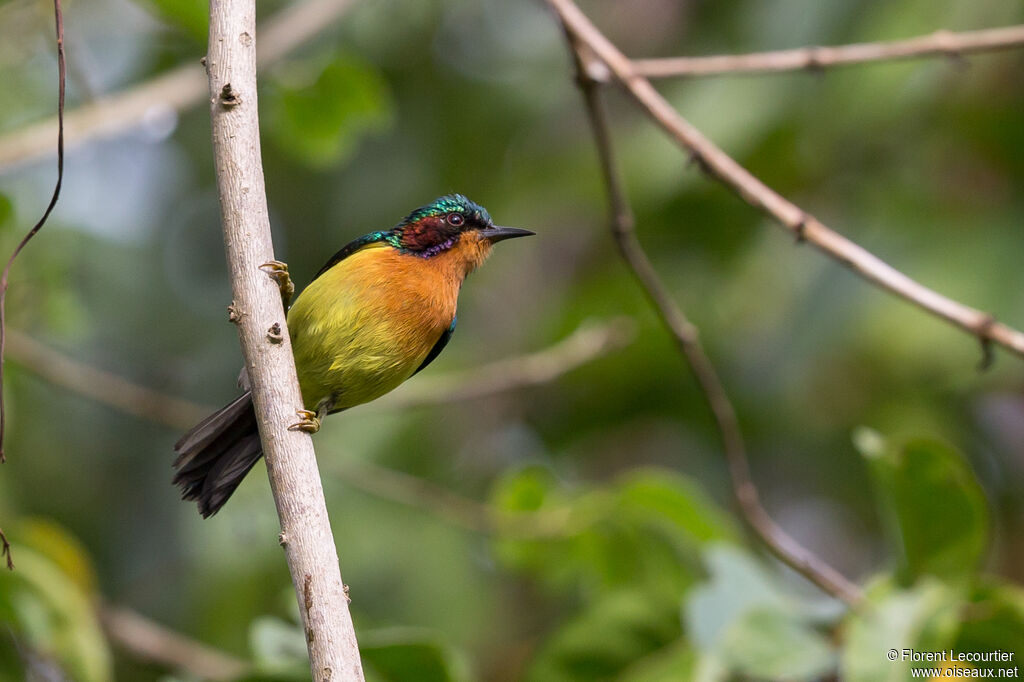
58	16
937	44
177	90
686	336
804	227
589	342
148	640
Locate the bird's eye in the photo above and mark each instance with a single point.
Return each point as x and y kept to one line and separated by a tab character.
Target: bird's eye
455	219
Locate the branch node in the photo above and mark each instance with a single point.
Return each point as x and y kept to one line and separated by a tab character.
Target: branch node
6	552
274	334
234	313
799	228
307	593
282	538
747	495
590	70
348	598
814	63
697	159
593	72
983	331
623	223
228	97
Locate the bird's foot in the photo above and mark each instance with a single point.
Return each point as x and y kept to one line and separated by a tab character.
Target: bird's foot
308	422
278	271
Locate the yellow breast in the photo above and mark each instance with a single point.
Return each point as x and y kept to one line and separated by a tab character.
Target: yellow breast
364	326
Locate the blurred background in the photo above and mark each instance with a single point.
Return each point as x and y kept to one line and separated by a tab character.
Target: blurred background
579	527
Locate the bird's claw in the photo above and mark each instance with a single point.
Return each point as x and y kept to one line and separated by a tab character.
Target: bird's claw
278	271
308	422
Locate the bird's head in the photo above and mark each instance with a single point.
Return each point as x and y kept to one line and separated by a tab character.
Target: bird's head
452	225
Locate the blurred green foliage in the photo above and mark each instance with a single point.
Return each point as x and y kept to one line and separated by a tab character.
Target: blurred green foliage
609	547
319	109
47	604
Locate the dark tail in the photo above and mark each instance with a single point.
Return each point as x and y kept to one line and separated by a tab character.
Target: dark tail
216	454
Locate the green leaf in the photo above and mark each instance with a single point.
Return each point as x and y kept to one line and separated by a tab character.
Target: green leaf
606	638
938	513
49	611
769	644
63	549
744	623
738	584
392	654
924	618
399	654
665	497
994	622
674	663
678	662
319	109
526	490
279	648
643	530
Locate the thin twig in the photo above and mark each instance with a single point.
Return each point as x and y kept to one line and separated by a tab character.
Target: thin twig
5	550
937	44
291	461
804	227
686	336
466	513
103	386
58	19
177	90
148	640
590	341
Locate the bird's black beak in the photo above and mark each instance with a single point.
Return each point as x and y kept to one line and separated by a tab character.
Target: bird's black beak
497	234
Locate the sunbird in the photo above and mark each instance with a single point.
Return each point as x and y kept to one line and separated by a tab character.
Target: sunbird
380	310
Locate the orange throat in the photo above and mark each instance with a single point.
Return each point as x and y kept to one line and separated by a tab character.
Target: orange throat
466	256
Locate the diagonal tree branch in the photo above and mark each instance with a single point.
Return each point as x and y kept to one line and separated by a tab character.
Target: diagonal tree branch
103	386
148	640
590	341
291	462
686	336
177	90
447	505
805	227
938	44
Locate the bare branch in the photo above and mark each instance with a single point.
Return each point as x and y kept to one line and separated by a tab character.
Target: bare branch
456	509
588	343
102	386
291	462
938	44
804	227
147	640
686	336
178	90
5	550
58	18
592	340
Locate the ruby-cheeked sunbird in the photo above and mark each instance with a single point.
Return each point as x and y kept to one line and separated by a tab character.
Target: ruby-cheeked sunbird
380	310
